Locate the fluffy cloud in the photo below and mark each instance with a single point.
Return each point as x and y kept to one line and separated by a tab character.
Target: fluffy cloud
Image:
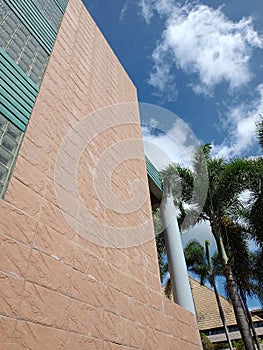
241	127
176	145
200	40
179	142
147	9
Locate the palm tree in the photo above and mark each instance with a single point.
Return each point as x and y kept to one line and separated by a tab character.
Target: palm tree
243	266
254	214
211	279
260	131
227	180
198	262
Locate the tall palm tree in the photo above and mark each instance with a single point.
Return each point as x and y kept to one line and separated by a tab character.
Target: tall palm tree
243	266
254	214
198	262
211	279
260	131
227	180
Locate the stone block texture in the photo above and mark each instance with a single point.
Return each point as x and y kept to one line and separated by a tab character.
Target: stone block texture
59	289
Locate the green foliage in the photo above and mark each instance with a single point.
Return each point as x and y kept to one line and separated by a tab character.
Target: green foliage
168	289
231	221
195	259
159	241
254	212
256	266
239	345
172	179
207	345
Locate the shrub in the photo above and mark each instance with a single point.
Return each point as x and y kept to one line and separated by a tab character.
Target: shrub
207	345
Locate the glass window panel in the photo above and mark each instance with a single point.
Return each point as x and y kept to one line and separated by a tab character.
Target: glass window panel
3	122
40	4
27	59
42	55
31	46
12	21
38	68
24	30
12	54
34	73
9	143
53	13
3	9
37	64
5	157
29	53
24	66
10	139
21	34
13	50
13	131
49	9
3	172
33	41
2	42
7	28
34	77
18	42
40	58
4	38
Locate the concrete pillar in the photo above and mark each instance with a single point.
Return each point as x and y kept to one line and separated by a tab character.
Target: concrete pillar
176	261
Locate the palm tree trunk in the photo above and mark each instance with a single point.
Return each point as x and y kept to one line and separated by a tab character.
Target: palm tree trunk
233	293
251	324
238	308
222	315
213	284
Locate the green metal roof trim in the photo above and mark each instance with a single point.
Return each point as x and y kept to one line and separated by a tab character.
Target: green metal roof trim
19	92
153	173
35	22
62	4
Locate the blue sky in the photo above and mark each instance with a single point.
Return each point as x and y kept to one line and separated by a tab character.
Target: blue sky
202	60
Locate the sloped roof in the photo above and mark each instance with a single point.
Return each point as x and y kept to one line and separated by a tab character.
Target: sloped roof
207	313
206	307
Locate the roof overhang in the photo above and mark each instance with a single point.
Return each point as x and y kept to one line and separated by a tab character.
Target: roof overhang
155	184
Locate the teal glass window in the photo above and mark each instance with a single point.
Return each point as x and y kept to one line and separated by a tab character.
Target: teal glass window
51	11
21	46
10	140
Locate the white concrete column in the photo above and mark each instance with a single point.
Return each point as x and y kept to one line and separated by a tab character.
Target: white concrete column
176	260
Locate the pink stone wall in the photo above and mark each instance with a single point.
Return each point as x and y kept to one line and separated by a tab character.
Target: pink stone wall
58	289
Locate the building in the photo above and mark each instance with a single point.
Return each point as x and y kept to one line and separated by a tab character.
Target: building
68	279
208	317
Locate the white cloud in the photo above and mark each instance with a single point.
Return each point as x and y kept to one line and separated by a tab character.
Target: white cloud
200	232
161	77
200	40
124	11
241	127
177	145
147	9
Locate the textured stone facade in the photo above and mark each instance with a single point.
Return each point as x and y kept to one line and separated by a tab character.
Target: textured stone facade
58	290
